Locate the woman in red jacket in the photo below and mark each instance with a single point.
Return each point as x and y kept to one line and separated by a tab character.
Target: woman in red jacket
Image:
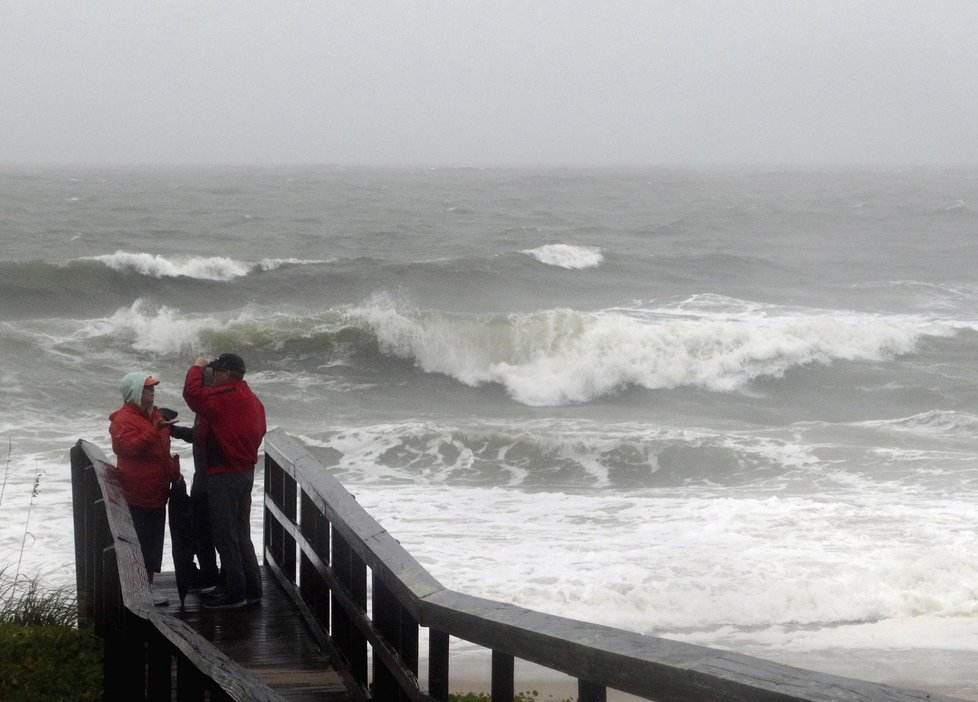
141	441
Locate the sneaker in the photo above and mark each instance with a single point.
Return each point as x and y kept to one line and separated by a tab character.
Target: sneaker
224	602
204	584
212	591
159	599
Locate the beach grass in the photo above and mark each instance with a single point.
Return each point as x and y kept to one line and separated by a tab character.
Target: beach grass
43	655
527	696
23	602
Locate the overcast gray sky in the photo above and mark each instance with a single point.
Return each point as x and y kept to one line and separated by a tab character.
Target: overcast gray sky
670	82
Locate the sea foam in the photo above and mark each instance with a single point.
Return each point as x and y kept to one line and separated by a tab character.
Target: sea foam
567	256
697	568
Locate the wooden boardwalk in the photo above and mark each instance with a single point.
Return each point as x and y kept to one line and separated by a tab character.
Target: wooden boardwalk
330	567
270	640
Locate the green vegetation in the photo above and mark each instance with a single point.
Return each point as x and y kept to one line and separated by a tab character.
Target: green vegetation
43	657
529	696
24	603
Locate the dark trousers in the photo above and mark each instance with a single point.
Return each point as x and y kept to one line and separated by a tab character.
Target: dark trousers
150	525
229	497
201	530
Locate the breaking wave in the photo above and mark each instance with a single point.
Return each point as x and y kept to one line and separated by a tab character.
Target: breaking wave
562	356
199	267
544	358
567	256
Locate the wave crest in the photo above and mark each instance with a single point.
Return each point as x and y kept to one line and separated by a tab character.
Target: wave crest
567	256
544	358
218	268
146	327
558	357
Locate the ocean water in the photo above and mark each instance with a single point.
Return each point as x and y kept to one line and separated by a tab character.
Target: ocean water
733	408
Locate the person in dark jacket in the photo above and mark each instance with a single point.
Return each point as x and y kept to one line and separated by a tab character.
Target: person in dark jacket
141	442
230	429
207	574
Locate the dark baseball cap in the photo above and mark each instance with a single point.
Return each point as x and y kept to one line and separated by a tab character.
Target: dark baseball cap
228	362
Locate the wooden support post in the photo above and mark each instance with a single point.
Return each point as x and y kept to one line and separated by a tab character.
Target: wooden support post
438	665
81	507
102	574
160	669
407	639
315	590
503	669
190	683
385	618
351	571
273	492
289	507
591	692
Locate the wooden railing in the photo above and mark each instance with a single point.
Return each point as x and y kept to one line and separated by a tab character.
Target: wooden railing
367	599
148	654
323	547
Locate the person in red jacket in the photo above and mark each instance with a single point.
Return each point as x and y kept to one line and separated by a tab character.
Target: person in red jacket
232	425
141	442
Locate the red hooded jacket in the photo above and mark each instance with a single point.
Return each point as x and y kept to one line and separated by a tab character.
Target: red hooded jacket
231	421
146	467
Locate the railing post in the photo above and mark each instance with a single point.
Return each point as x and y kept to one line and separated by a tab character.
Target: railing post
315	530
190	683
159	676
273	532
351	572
101	577
125	654
289	506
503	668
282	490
438	665
400	630
591	692
81	508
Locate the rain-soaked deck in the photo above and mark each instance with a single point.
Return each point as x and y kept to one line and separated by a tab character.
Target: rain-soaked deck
270	640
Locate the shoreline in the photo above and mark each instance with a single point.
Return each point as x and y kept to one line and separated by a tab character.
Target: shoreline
935	671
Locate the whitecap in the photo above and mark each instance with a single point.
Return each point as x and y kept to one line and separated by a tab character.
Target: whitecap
271	264
562	356
156	266
567	256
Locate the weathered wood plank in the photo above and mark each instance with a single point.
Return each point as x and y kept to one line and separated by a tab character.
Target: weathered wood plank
269	641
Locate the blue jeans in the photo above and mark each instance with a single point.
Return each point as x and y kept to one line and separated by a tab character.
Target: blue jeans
229	497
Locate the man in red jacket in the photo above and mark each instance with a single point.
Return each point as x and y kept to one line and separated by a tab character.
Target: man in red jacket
233	425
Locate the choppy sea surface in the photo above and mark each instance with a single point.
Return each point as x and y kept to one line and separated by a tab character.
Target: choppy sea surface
734	408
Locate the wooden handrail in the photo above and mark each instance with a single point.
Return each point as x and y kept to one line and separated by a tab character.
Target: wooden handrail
363	593
313	524
141	643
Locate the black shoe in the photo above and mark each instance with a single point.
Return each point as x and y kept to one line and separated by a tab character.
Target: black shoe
159	599
203	585
224	602
253	600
